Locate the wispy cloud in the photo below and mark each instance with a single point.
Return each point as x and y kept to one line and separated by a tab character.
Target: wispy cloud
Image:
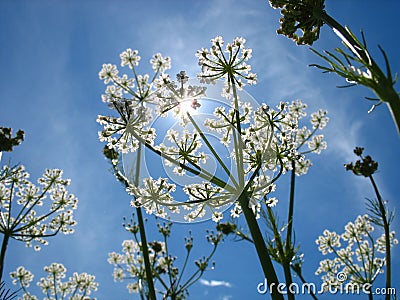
214	283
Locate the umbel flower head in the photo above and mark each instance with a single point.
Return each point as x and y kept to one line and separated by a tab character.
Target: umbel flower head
129	265
260	141
365	166
293	139
31	213
301	15
359	259
129	97
79	286
7	142
227	62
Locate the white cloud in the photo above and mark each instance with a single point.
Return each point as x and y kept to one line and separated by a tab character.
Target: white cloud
214	283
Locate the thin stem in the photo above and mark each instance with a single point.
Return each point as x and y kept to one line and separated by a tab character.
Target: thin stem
145	250
4	244
305	282
291	206
55	286
261	248
370	294
394	107
288	244
183	268
386	229
239	143
288	279
283	253
171	283
384	89
212	149
201	172
199	272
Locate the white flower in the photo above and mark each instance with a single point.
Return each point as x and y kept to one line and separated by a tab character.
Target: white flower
236	211
216	217
271	202
328	241
297	109
39	211
180	97
108	73
317	144
229	63
381	242
319	119
359	260
154	196
22	277
184	149
130	57
160	63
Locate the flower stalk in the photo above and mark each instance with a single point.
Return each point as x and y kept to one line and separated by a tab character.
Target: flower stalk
379	213
309	16
386	227
261	248
383	85
4	244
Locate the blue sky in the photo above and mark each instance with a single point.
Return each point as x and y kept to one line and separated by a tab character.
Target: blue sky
50	55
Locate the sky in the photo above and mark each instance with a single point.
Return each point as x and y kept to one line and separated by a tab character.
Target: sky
50	55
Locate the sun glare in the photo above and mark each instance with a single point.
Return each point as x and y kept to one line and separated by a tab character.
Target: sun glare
189	106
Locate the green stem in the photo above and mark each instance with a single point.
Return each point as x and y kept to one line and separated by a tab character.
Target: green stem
261	248
4	244
183	268
145	249
332	23
55	286
200	172
370	294
384	89
239	142
394	108
288	244
288	279
386	229
304	283
284	254
291	207
212	149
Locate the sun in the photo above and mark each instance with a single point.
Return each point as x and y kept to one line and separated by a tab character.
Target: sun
190	106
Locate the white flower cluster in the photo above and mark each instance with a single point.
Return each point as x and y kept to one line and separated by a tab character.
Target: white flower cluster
183	148
180	97
154	196
260	140
129	265
30	213
79	286
290	136
228	62
359	259
129	97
